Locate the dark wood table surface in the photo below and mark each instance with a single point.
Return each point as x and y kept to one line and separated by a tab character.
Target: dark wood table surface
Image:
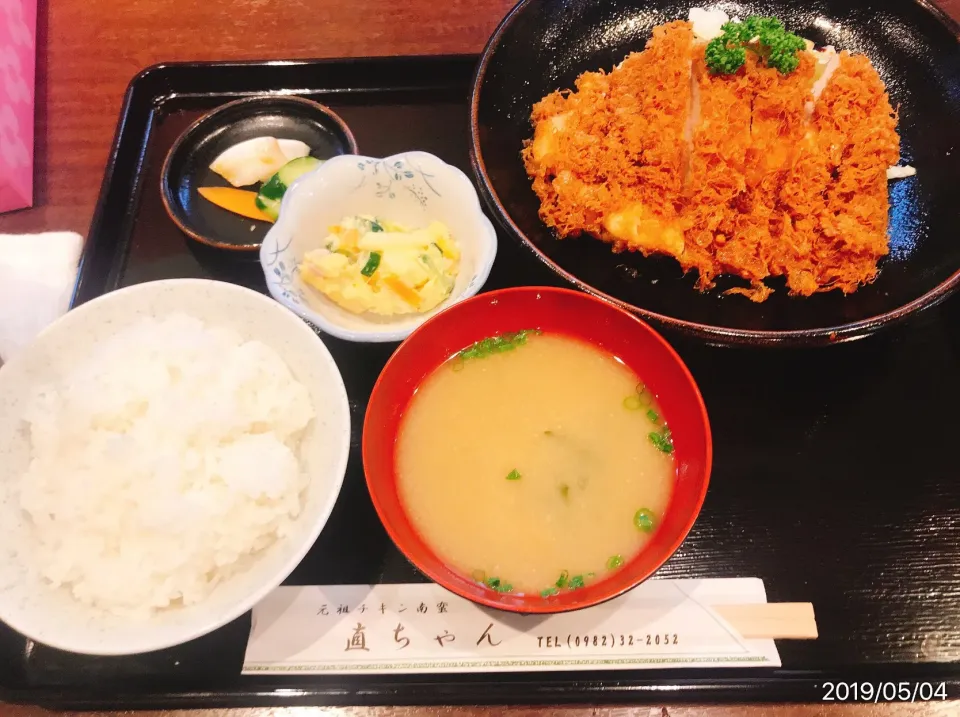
87	52
939	709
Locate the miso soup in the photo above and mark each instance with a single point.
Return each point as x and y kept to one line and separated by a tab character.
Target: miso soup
534	463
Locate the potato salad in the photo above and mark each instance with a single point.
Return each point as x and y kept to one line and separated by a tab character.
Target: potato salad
371	264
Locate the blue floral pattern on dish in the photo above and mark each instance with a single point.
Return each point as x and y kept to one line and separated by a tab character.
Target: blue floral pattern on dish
285	271
401	173
413	187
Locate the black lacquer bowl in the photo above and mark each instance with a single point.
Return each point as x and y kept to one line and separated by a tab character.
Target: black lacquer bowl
543	45
187	165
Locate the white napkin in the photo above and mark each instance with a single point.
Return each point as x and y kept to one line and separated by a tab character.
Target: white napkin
37	277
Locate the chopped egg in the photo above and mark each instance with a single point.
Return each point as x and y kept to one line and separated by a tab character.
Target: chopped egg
372	265
256	160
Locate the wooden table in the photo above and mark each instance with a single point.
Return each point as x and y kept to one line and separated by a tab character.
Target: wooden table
915	710
88	50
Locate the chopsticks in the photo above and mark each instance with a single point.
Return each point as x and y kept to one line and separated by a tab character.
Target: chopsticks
777	620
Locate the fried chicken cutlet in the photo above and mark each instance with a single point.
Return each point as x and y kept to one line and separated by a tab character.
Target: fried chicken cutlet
755	173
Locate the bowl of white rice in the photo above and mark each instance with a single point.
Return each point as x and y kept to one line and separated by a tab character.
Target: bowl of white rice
169	452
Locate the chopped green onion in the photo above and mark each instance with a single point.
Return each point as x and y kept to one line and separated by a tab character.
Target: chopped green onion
614	562
577	581
496	584
562	580
564	490
644	520
641	397
548	592
372	263
497	344
646	398
661	441
653	415
513	475
375	226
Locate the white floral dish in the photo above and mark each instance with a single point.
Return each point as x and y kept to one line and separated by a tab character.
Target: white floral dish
413	188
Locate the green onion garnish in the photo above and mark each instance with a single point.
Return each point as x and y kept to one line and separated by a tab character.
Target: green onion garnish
375	226
641	397
644	520
614	562
562	580
548	592
661	440
653	415
632	403
576	581
513	475
497	344
500	587
372	263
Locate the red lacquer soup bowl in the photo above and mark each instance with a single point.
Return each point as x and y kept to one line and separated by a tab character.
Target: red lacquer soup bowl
558	311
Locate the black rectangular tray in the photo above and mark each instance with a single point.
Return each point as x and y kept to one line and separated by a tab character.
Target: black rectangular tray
835	477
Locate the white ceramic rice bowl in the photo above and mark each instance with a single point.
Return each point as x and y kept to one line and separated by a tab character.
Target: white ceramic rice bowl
52	616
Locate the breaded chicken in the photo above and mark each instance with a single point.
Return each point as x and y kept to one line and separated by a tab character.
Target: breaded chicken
609	158
754	174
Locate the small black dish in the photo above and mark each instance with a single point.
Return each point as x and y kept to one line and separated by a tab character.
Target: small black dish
543	45
187	166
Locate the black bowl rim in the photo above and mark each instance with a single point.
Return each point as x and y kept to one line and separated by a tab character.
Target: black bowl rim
198	124
712	334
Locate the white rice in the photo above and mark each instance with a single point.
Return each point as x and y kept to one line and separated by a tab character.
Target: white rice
161	462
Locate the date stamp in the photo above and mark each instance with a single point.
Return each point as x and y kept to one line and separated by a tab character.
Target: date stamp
903	691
